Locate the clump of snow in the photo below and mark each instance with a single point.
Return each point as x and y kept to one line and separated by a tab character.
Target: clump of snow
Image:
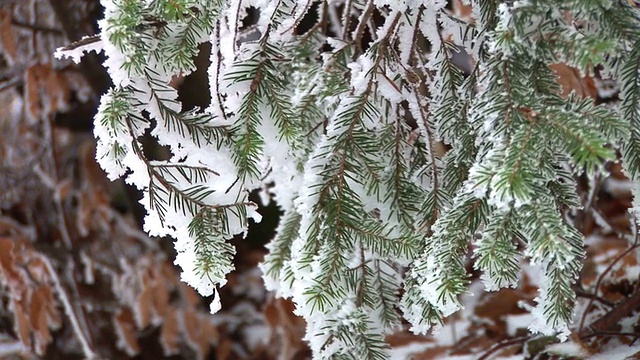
615	350
542	326
568	349
516	322
360	73
389	89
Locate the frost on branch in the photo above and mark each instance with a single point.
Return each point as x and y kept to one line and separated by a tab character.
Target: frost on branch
391	159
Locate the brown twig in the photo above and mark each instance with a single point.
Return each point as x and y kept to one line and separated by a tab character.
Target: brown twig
87	40
63	221
584	294
73	29
36	27
357	34
592	195
68	309
622	309
503	344
610	334
613	317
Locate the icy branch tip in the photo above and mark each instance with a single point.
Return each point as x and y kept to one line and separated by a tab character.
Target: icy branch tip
76	50
215	305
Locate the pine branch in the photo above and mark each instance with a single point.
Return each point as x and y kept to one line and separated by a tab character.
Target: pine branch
387	159
630	107
498	255
280	249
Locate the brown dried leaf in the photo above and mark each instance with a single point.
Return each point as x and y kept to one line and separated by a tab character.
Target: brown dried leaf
209	334
31	299
461	10
271	314
144	301
64	189
92	175
191	296
160	295
38	270
125	330
55	86
32	91
78	84
169	275
85	210
43	315
10	273
199	333
224	350
287	329
10	228
494	306
46	91
170	333
435	352
7	37
189	322
571	80
404	338
20	321
601	254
